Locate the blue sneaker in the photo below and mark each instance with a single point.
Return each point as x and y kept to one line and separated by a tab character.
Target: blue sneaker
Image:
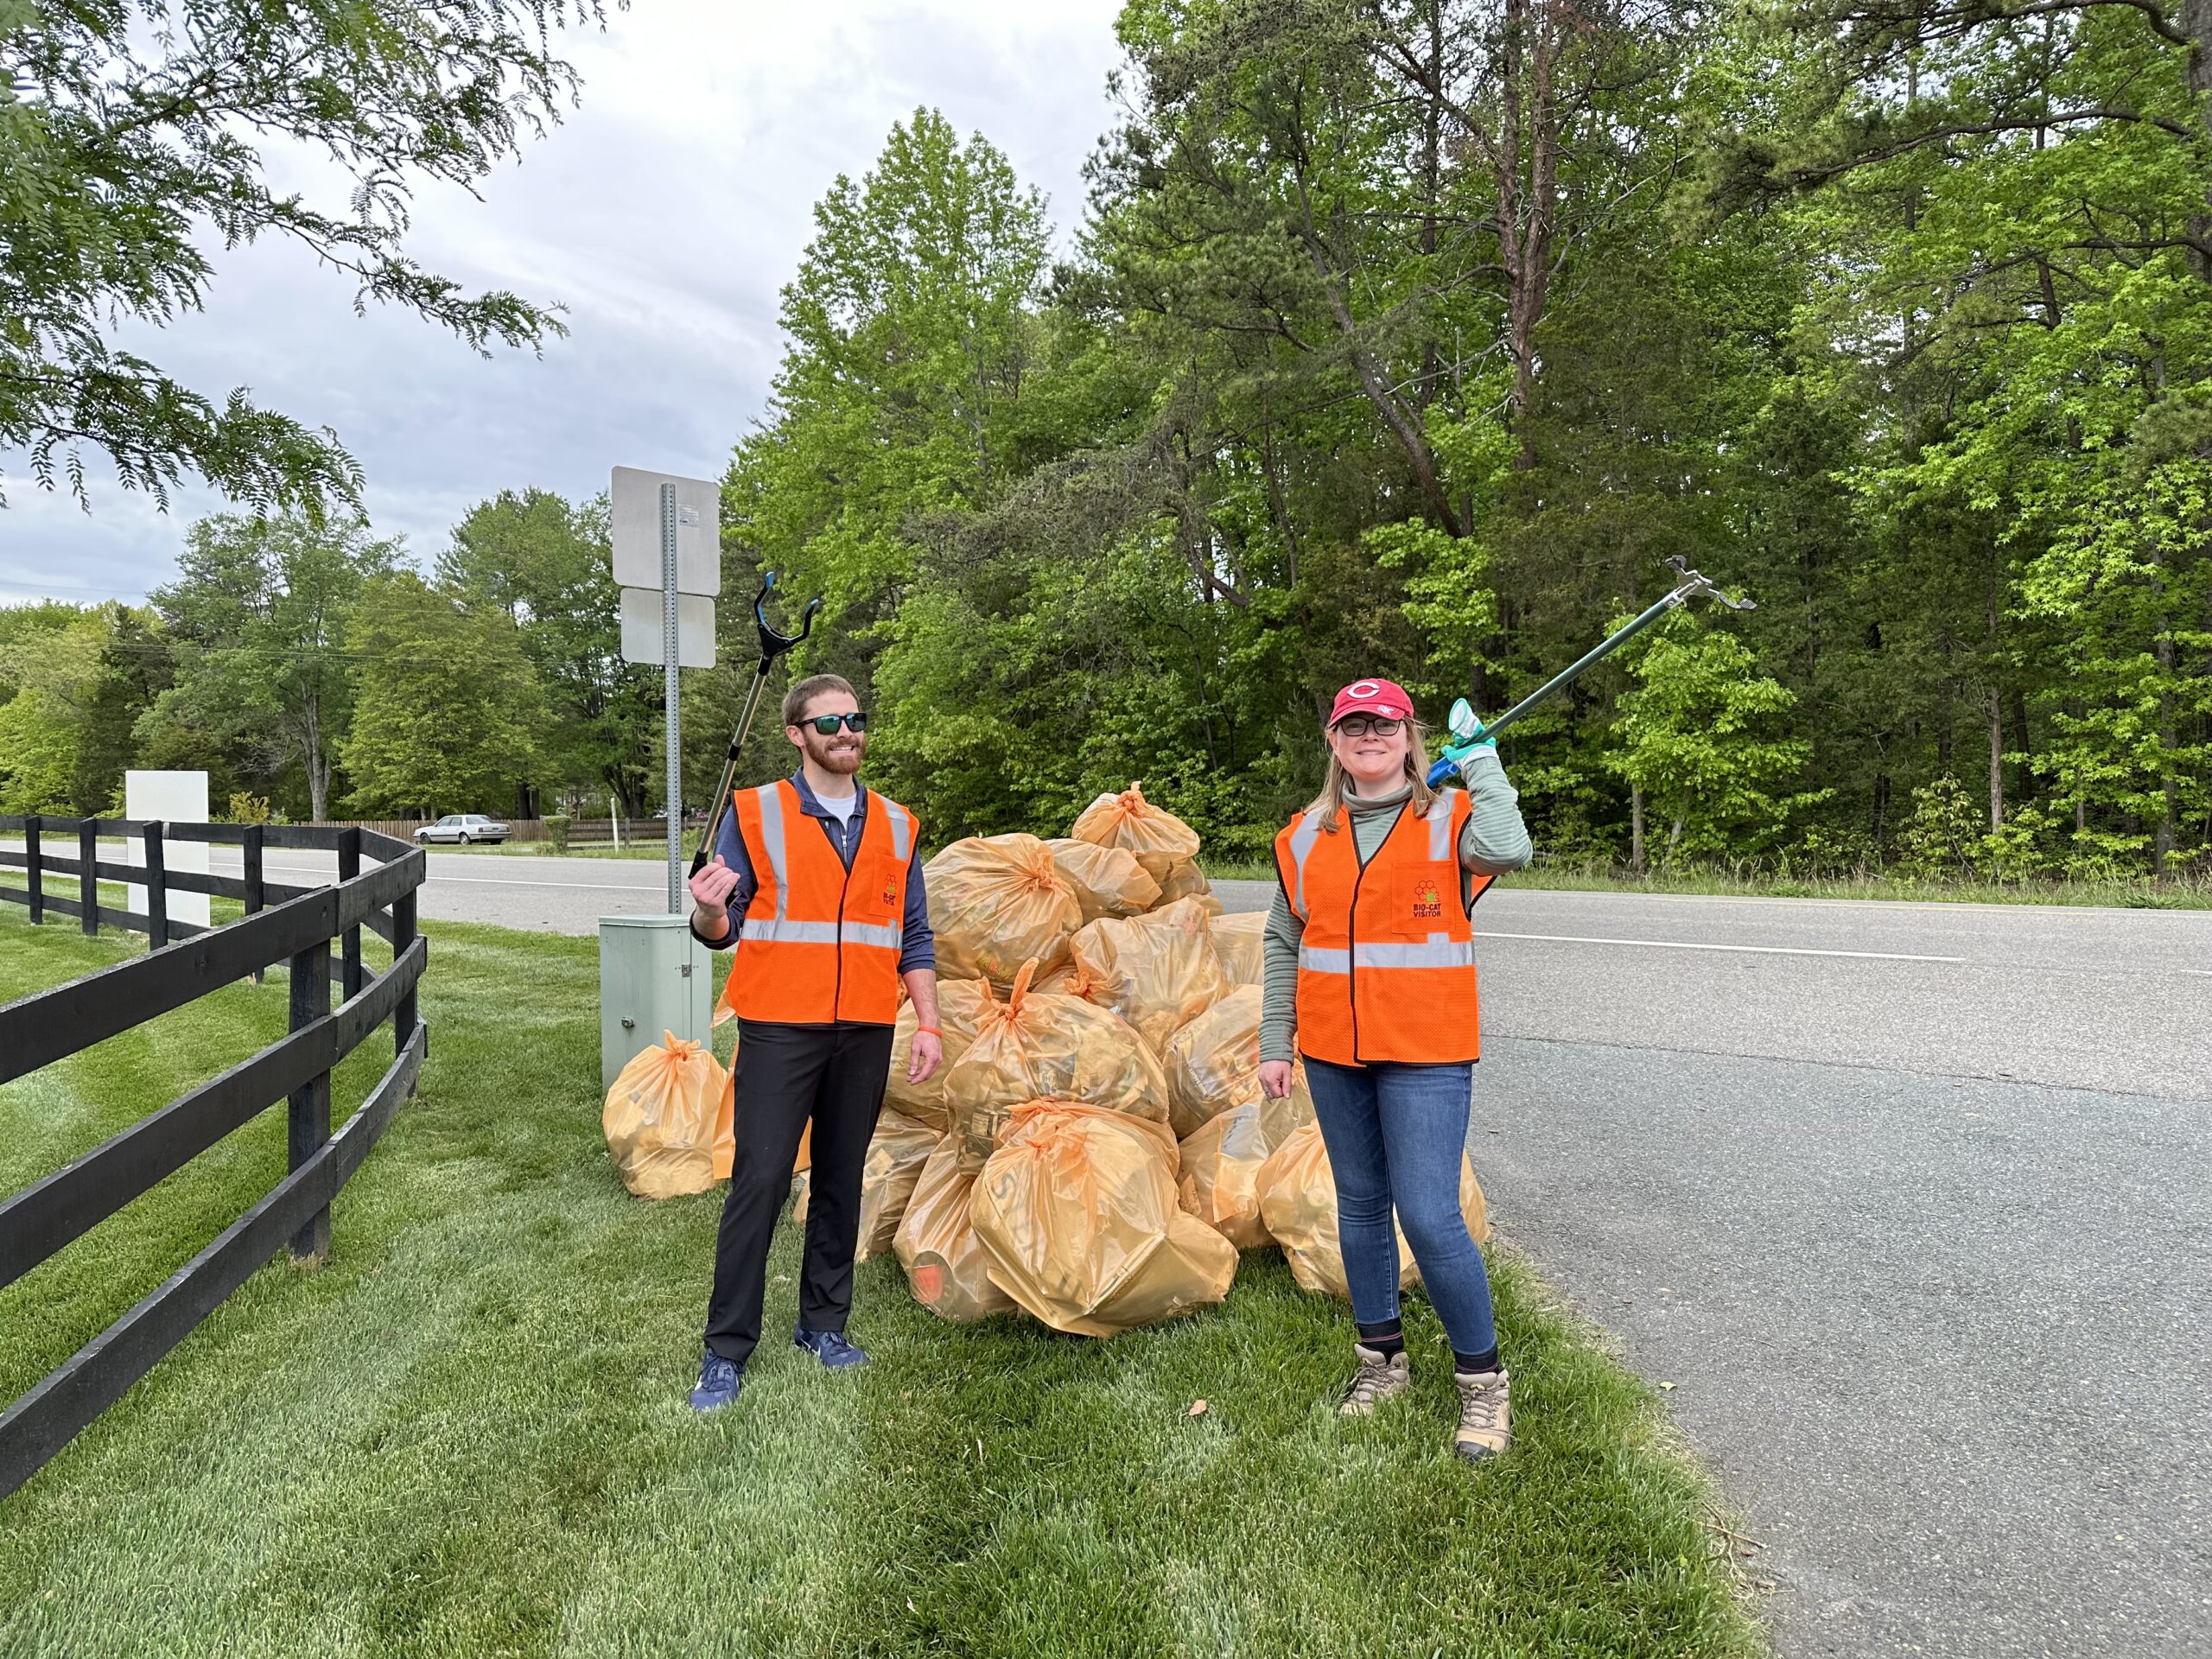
830	1348
719	1380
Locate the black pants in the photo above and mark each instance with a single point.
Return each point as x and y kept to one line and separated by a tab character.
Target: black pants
785	1075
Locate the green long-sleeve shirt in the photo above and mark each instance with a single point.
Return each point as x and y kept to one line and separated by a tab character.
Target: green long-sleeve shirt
1495	842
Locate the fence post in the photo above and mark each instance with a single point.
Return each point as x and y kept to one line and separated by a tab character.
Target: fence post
157	891
309	1124
250	866
349	867
31	869
403	935
88	881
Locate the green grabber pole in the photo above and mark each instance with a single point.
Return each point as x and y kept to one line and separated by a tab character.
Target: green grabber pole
1691	585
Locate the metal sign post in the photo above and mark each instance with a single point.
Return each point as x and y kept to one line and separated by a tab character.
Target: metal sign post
667	547
668	638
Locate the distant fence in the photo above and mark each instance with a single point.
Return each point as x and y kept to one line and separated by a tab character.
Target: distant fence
582	832
282	924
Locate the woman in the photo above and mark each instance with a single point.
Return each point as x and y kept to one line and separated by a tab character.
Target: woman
1370	965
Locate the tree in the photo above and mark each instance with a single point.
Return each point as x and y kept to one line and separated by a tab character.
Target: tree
257	619
547	563
49	660
448	708
130	136
1702	741
135	668
910	335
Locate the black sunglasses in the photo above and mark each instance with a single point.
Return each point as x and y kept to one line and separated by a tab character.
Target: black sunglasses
827	724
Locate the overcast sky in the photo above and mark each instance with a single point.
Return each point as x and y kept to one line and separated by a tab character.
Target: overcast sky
664	214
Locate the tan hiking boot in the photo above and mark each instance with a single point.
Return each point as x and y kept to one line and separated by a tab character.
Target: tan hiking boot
1378	1379
1485	1415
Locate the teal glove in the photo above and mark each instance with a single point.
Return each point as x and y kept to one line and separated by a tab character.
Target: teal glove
1467	734
1460	748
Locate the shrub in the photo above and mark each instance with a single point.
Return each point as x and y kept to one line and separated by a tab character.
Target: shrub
556	829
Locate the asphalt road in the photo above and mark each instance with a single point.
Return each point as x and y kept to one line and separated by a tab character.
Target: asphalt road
1909	1203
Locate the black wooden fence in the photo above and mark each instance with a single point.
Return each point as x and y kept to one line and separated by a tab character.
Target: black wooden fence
282	924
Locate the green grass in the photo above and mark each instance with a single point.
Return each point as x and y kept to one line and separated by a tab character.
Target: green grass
2178	894
466	1433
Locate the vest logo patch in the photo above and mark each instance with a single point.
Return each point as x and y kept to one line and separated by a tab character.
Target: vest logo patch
1426	905
890	894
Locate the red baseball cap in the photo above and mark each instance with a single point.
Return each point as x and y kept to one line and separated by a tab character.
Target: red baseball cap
1384	697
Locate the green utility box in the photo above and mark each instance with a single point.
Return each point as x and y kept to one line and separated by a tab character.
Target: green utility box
653	977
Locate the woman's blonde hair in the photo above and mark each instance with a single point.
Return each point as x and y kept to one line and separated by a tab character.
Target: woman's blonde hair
1328	806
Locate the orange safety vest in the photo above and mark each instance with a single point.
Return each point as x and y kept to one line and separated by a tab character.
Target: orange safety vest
1386	970
820	943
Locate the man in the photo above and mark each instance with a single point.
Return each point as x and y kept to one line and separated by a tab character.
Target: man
816	882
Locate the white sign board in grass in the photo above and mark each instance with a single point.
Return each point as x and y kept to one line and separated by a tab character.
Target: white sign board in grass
172	798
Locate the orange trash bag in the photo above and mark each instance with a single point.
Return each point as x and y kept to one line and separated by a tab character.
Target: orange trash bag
935	1243
960	1004
1107	880
1078	1216
1156	972
1220	1183
895	1155
1071	978
668	1122
1164	844
1213	1062
1240	943
995	902
1035	1045
1184	880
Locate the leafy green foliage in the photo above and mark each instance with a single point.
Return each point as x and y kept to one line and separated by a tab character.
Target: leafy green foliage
1410	338
547	563
447	705
130	135
1702	736
256	622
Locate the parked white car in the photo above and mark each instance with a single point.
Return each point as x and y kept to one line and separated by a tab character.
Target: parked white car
463	827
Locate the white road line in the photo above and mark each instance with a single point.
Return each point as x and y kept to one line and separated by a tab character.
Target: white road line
1751	949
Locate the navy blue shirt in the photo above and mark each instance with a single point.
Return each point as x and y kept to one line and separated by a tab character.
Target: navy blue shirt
917	944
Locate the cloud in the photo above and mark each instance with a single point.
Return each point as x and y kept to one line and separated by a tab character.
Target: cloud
664	213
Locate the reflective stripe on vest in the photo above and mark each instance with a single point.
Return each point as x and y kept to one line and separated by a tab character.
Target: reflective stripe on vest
820	941
1387	964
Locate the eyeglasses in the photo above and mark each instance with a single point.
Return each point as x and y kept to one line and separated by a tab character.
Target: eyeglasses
827	725
1368	725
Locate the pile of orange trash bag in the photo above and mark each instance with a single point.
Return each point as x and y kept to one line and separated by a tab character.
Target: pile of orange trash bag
1095	1149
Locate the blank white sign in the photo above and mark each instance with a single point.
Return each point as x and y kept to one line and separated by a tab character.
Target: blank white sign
641	628
636	530
172	797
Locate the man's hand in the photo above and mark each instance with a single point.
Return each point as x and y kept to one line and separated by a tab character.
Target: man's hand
1274	1079
929	1048
929	1054
710	891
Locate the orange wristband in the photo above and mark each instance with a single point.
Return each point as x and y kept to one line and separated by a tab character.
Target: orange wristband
932	1030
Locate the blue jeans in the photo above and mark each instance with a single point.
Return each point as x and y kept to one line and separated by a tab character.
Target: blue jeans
1395	1135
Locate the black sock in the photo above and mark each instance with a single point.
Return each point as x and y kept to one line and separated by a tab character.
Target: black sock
1467	1364
1387	1338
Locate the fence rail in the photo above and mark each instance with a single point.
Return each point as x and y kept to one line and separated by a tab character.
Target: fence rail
284	924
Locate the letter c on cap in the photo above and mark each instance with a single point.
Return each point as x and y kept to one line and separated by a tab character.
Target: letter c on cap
1365	689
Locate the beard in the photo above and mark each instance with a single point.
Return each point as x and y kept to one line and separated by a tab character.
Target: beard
841	753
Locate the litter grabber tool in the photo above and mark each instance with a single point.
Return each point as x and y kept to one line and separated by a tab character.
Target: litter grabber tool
1466	730
772	646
